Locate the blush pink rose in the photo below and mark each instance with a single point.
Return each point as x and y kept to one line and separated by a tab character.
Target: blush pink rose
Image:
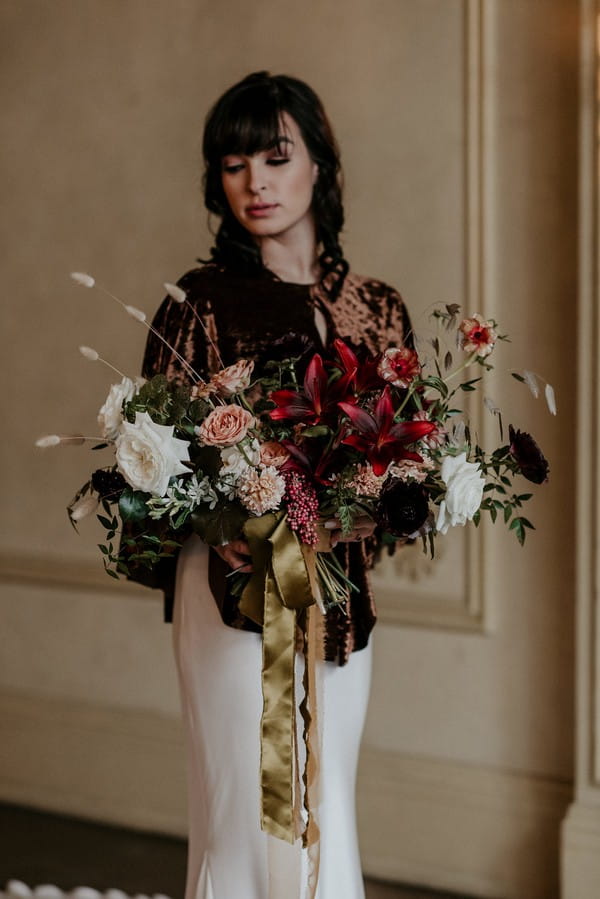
477	336
225	426
234	378
399	366
273	454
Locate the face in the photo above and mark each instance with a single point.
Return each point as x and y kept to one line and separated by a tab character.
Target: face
270	192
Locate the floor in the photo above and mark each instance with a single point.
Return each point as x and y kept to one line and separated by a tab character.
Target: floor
38	847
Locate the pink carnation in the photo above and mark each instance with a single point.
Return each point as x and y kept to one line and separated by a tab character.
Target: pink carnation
261	491
477	336
399	366
365	482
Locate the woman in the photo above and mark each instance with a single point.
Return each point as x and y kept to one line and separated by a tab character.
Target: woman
277	285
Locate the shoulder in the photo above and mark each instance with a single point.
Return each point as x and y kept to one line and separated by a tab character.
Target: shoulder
370	288
373	309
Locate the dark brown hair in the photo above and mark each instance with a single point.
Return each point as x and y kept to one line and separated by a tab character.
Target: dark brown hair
247	119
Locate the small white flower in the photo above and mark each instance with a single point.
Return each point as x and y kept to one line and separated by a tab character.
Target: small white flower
235	462
110	416
464	492
148	455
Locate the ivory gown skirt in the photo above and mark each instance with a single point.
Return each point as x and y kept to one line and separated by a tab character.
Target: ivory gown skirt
229	856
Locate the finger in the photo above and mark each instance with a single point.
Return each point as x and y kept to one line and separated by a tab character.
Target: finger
239	546
235	560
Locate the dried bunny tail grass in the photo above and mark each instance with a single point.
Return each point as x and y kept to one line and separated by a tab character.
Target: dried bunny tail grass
48	440
531	381
83	279
136	313
139	316
550	398
176	293
92	355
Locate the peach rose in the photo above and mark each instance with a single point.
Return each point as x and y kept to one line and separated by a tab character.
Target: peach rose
225	426
273	454
234	378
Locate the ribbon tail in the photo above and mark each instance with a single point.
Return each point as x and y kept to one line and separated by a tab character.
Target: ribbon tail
278	720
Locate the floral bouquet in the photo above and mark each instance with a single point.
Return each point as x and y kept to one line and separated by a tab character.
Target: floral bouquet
278	458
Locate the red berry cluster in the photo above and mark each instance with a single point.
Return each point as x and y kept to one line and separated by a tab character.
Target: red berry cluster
302	506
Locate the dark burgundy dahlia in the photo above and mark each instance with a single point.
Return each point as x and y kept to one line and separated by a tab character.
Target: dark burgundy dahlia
528	456
109	484
403	507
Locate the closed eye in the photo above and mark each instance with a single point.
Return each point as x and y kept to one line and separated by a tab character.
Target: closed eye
233	167
278	160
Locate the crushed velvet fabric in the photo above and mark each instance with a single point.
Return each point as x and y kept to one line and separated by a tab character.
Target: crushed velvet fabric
251	317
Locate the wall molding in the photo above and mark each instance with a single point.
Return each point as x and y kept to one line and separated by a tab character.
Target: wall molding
471	828
580	845
397	604
468	828
50	572
105	763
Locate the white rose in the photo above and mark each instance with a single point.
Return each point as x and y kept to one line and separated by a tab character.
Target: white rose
148	455
110	415
464	492
235	463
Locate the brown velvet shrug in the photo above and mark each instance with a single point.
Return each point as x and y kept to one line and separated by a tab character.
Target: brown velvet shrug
246	316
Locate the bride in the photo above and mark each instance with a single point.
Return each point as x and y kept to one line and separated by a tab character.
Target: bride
277	281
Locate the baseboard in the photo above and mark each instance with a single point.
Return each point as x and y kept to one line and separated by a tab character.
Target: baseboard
467	828
121	766
580	868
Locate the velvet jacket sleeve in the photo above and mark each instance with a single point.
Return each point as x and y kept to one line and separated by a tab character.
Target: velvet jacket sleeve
180	326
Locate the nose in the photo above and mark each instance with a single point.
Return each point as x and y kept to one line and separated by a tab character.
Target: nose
256	176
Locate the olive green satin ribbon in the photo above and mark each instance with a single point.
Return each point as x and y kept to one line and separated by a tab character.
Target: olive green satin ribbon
280	586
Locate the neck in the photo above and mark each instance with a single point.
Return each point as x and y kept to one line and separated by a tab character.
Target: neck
292	258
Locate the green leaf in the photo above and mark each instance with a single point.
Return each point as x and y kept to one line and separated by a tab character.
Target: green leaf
103	549
507	514
132	505
219	525
105	522
112	573
517	376
316	431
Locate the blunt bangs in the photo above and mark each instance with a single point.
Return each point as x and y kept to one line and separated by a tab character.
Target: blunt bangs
249	123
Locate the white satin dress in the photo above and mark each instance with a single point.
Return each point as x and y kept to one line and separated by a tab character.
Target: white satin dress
219	671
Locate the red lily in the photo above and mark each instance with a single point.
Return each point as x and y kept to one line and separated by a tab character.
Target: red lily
318	398
379	438
366	377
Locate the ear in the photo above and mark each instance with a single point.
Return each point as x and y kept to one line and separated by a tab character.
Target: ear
315	173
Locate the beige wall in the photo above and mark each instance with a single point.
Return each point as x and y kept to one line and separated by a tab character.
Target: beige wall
457	122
